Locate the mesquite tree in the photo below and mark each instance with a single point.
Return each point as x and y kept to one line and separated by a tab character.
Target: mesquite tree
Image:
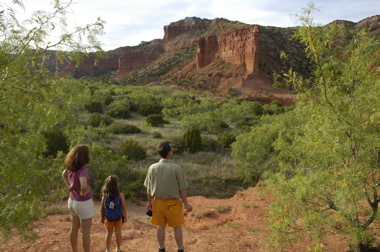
34	100
329	160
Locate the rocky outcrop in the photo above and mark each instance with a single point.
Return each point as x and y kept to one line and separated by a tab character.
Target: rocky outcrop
239	47
184	26
90	68
132	62
194	53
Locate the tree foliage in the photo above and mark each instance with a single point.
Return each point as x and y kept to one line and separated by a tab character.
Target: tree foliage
329	157
32	101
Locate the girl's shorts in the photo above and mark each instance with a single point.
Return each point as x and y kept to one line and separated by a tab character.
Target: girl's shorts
84	209
111	224
167	213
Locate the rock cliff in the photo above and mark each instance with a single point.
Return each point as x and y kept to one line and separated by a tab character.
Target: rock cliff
92	68
239	47
132	62
217	56
189	24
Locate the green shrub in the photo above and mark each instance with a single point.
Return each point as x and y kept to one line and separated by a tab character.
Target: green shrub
224	125
178	144
119	111
247	121
94	107
156	134
133	106
149	108
132	150
56	141
209	144
131	190
97	119
108	100
223	209
193	140
226	139
155	120
123	129
208	121
274	108
257	108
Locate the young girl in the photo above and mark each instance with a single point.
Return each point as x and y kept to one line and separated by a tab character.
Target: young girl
80	203
112	199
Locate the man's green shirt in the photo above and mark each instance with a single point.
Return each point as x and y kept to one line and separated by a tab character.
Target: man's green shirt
165	179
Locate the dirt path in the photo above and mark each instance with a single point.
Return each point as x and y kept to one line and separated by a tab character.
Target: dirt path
235	224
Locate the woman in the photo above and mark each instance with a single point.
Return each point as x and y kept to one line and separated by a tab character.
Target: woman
80	203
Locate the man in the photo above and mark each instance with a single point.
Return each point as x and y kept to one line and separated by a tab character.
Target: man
166	187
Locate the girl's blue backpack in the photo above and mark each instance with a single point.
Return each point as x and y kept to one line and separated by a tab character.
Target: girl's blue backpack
112	207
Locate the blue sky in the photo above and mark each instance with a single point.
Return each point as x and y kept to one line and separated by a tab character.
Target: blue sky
130	22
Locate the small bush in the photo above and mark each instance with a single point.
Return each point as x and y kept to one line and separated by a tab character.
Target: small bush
56	141
178	144
150	108
97	119
257	108
247	122
124	129
157	134
207	213
226	139
209	144
224	125
133	106
192	139
274	108
155	120
119	111
132	150
108	100
94	107
131	189
223	209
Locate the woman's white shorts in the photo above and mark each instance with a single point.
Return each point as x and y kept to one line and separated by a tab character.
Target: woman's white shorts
84	209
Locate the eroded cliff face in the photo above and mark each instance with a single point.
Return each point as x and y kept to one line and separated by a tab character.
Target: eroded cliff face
240	47
132	62
90	68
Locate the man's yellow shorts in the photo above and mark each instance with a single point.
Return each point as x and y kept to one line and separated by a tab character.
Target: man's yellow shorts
167	213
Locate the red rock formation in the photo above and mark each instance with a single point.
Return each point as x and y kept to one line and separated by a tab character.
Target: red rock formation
238	47
183	26
132	62
87	66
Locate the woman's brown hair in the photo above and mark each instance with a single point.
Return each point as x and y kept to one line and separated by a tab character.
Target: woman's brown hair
78	157
111	186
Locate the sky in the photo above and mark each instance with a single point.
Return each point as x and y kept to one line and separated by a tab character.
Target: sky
128	23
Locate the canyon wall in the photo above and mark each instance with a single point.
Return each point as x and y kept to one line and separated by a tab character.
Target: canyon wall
90	68
238	47
132	62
